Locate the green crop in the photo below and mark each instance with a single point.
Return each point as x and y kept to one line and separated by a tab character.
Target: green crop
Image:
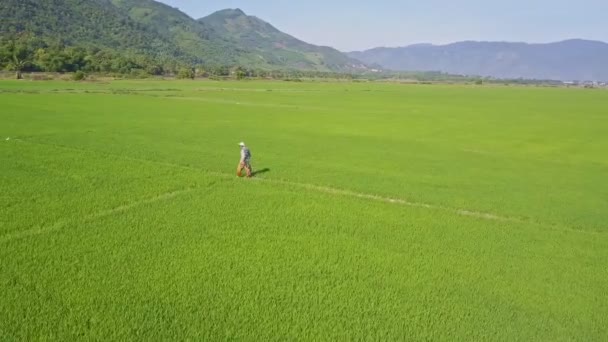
381	212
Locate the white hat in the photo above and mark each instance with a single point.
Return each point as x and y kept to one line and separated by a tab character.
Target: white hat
241	144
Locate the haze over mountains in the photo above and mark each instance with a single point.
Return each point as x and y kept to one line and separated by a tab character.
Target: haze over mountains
567	60
232	38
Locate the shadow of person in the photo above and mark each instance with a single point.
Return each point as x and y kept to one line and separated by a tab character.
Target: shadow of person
260	172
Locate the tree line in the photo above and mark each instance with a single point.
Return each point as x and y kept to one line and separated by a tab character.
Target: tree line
28	54
25	53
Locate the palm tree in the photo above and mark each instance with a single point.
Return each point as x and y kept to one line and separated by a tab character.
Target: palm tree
17	65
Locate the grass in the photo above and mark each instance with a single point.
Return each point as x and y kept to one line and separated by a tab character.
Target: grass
385	212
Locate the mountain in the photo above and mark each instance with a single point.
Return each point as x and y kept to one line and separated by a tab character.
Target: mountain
83	23
274	47
566	60
195	40
155	30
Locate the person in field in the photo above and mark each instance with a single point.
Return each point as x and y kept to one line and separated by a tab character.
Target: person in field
245	161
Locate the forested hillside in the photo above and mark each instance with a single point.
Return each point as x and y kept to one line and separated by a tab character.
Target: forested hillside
146	37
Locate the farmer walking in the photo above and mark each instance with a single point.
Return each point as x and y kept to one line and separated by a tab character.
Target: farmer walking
245	161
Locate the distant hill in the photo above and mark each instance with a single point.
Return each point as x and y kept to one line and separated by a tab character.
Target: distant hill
273	46
155	30
566	60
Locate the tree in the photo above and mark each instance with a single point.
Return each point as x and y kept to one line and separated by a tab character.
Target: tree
154	69
185	73
201	72
79	76
239	73
19	58
18	65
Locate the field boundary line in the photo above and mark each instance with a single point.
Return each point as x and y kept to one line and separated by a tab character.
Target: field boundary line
392	200
318	188
97	215
399	201
245	104
336	191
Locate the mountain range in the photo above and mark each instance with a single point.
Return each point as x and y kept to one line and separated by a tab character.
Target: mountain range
581	60
161	33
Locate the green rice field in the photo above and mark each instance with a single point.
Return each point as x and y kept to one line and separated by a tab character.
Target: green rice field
377	212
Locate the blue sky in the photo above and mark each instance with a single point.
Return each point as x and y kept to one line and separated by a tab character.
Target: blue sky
355	25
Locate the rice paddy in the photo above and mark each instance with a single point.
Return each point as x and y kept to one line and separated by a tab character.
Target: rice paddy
377	212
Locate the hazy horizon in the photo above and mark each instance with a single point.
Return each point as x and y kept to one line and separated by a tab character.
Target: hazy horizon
354	25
